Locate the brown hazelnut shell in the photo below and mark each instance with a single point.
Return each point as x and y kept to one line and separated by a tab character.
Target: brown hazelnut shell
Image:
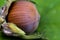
25	15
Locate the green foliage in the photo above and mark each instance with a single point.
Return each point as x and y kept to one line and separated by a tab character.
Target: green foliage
50	18
2	2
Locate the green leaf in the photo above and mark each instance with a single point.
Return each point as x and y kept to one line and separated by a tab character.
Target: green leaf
50	18
2	2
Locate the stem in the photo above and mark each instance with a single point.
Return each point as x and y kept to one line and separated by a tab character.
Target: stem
32	36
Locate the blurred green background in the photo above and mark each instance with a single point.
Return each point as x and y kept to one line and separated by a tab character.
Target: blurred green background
49	24
2	2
